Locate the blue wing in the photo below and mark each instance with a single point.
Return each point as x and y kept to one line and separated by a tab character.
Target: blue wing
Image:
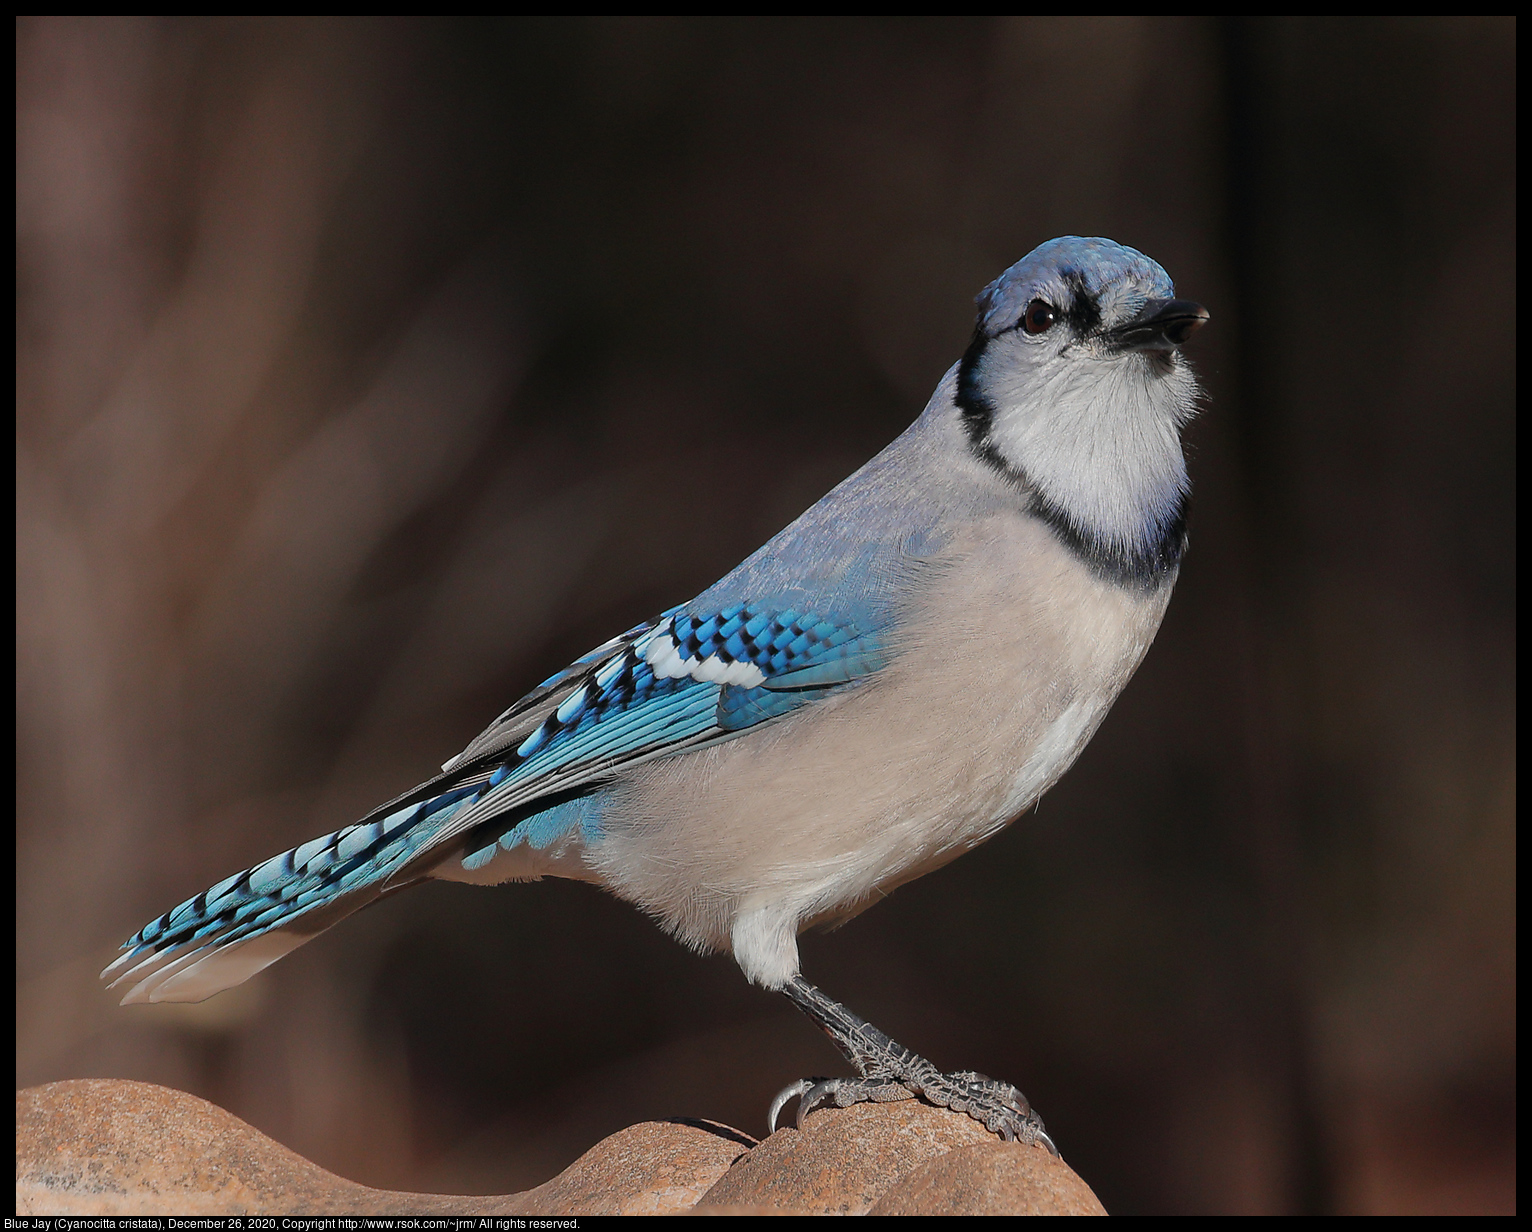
676	683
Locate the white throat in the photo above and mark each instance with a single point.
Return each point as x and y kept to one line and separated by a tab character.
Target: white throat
1100	438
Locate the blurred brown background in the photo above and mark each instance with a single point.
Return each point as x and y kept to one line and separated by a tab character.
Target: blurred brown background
370	370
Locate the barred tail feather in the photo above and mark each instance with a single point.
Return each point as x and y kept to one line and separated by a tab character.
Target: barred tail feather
196	974
246	922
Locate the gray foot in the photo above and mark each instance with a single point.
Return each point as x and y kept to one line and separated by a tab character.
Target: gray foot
890	1072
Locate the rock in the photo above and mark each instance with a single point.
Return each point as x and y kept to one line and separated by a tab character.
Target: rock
652	1168
109	1147
854	1161
990	1178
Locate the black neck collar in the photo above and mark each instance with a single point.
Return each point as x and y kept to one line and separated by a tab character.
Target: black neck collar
1146	567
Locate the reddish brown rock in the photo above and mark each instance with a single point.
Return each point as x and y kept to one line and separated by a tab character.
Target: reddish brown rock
653	1168
845	1161
107	1147
990	1178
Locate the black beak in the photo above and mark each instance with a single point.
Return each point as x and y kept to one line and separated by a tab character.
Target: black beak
1163	325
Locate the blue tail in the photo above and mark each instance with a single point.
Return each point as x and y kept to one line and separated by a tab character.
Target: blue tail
246	922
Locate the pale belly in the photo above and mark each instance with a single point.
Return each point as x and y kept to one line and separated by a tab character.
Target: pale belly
986	704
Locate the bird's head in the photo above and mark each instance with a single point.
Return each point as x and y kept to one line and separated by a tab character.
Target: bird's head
1074	387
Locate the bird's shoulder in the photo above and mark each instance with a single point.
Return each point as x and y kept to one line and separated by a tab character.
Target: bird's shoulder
817	609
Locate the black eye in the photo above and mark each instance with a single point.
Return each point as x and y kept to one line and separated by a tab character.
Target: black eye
1039	317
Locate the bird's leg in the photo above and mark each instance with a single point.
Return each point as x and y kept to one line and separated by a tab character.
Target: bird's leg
890	1071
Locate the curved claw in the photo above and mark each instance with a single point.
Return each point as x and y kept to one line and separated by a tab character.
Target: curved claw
785	1095
998	1106
815	1093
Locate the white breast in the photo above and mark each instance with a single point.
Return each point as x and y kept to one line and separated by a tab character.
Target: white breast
1013	654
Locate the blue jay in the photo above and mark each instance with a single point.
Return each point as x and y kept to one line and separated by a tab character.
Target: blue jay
890	681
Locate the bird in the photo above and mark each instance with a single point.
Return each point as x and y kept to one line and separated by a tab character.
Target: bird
887	683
